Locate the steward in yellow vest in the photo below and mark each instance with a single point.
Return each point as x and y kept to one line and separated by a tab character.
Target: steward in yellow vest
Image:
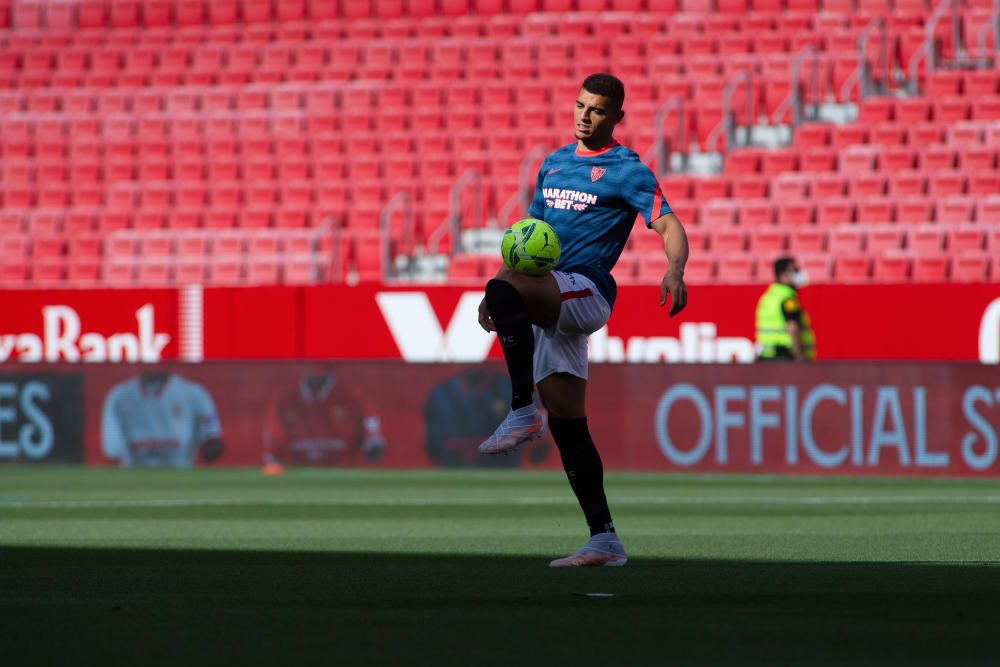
783	331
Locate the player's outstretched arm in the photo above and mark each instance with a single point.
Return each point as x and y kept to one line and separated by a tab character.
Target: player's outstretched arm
675	245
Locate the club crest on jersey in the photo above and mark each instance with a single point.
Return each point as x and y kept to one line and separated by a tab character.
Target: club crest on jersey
596	173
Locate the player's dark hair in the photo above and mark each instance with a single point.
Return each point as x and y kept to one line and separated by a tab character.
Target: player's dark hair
782	264
608	86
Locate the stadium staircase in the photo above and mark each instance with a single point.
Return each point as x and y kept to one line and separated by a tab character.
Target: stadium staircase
235	142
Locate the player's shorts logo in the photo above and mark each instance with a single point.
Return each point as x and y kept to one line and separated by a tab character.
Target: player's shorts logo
596	173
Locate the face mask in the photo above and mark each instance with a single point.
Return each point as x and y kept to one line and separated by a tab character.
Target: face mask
800	279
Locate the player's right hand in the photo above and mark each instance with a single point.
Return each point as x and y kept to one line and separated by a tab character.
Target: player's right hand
485	321
673	285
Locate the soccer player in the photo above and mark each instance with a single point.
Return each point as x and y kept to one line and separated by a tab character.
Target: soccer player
590	191
320	421
160	420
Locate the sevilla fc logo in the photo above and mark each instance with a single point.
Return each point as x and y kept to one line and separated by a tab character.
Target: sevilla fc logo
596	173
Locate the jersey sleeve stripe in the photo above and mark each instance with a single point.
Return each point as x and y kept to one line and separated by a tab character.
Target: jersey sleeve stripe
657	204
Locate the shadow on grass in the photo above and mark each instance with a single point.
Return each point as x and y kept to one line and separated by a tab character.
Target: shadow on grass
139	607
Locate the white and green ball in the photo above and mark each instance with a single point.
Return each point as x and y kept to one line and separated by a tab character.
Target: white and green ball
530	247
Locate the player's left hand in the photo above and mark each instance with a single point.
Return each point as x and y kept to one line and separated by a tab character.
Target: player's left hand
673	284
373	448
485	320
211	449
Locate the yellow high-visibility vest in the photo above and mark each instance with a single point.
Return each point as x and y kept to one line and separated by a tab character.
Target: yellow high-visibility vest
772	331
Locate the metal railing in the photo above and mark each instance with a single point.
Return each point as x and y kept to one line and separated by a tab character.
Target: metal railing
400	201
983	60
453	223
726	129
325	229
861	76
928	50
864	76
793	103
660	142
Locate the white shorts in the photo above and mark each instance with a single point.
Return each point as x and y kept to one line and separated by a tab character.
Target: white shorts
562	347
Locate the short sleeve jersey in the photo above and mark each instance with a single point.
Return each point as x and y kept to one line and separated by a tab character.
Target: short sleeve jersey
591	199
160	426
316	427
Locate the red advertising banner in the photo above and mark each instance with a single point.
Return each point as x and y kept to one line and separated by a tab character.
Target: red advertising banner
420	323
88	325
842	419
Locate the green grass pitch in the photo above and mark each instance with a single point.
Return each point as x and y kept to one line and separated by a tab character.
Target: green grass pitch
338	567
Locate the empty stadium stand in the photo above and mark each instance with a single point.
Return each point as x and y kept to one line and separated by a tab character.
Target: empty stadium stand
163	142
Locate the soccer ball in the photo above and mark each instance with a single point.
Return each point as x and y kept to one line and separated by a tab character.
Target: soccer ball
530	247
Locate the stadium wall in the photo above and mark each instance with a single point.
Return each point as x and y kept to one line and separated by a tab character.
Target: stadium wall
438	324
898	419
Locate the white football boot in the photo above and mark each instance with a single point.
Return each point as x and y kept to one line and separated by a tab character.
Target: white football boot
603	550
518	427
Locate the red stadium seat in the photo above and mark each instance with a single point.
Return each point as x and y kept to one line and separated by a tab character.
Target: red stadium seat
896	158
845	241
866	186
907	183
796	214
706	189
981	83
756	213
876	210
811	135
891	270
983	184
882	241
988	210
728	241
736	269
876	110
912	110
749	187
790	187
778	161
956	210
804	241
930	269
914	210
767	241
650	267
743	162
970	269
718	213
945	184
986	108
826	186
852	269
818	160
848	135
857	159
937	158
819	268
926	242
961	241
835	211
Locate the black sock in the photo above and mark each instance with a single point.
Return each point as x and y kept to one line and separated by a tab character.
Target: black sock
584	470
517	339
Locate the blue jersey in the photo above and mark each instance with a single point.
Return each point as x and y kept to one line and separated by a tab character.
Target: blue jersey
591	200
